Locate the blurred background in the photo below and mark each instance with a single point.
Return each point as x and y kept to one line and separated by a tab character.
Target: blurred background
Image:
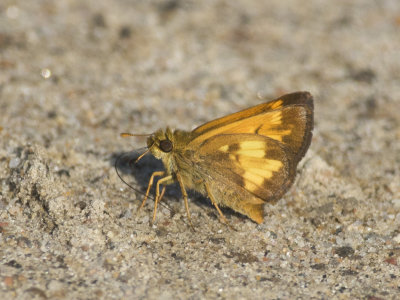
83	71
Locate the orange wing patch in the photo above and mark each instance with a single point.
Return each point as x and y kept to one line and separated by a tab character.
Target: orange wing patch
276	104
254	162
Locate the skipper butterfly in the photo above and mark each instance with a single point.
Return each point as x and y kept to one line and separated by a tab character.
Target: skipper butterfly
240	161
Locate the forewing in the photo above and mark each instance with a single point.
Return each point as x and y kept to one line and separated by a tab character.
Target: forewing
287	120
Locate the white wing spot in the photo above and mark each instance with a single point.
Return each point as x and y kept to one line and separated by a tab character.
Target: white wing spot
224	148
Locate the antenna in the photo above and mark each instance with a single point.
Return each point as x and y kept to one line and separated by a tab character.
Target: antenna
127	134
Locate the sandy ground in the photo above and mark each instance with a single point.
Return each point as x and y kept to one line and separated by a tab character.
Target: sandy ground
74	74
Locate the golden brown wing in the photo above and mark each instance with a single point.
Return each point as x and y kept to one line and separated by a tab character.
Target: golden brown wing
246	170
250	157
259	164
287	119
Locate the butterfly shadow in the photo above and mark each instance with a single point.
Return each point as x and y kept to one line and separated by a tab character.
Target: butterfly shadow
137	174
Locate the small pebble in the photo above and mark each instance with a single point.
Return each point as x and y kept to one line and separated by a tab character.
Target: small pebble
397	238
14	162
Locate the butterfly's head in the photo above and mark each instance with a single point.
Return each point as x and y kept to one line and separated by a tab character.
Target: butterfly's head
161	143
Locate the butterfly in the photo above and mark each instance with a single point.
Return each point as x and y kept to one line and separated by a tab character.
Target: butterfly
240	161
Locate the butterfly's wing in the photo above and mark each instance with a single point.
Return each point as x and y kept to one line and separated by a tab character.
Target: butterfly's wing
246	170
256	150
288	120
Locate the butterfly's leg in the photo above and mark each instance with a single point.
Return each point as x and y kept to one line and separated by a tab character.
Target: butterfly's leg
185	198
158	198
211	196
162	193
159	173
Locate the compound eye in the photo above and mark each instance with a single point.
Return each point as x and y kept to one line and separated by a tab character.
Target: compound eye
166	145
